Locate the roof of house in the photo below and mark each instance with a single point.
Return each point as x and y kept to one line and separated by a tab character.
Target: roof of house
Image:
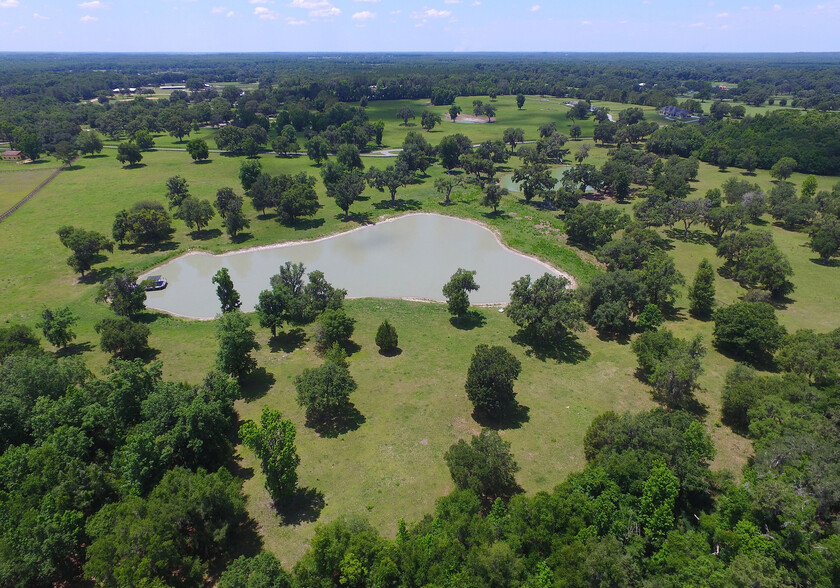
11	152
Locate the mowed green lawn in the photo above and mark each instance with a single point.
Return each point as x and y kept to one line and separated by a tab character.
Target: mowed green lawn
413	404
18	179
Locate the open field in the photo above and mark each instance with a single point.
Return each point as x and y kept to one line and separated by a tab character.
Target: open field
17	180
413	404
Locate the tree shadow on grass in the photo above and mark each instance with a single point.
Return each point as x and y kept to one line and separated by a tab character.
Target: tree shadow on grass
824	262
97	156
149	354
566	349
206	234
100	274
256	384
304	506
471	320
350	420
363	218
74	349
689	404
391	352
696	237
134	166
400	204
305	224
74	167
202	161
287	341
242	237
495	214
514	417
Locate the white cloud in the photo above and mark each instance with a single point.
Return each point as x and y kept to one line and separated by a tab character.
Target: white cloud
697	24
364	15
476	3
317	8
37	16
257	1
777	7
451	1
88	18
92	5
230	14
365	0
218	10
263	13
586	22
722	15
295	22
431	13
9	3
534	8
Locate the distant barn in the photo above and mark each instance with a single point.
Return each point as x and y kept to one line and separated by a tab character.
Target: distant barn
12	155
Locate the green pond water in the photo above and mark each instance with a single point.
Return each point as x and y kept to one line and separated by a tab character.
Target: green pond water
410	257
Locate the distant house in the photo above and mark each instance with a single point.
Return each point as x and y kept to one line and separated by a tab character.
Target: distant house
675	112
173	87
12	155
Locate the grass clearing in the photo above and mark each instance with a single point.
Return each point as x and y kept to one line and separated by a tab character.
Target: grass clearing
413	404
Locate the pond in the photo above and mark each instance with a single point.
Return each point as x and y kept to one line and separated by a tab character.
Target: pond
408	257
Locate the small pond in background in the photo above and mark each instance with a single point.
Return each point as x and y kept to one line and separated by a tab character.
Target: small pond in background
409	257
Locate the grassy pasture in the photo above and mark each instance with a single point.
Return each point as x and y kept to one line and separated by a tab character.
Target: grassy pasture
413	404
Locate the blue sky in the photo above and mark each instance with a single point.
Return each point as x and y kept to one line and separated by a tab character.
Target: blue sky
407	25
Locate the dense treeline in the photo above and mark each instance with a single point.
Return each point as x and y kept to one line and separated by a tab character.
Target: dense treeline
50	96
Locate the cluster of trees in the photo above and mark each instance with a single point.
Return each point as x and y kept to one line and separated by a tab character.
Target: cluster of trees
118	478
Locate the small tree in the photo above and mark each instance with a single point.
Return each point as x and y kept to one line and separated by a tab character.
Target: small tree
445	184
490	380
493	195
177	190
456	291
249	171
454	111
195	213
405	113
783	168
273	440
324	392
317	149
485	465
236	342
702	291
85	245
198	150
429	120
65	152
650	318
386	338
123	338
89	143
228	296
348	156
144	140
334	326
125	295
545	308
129	153
825	237
512	136
520	101
748	329
56	326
